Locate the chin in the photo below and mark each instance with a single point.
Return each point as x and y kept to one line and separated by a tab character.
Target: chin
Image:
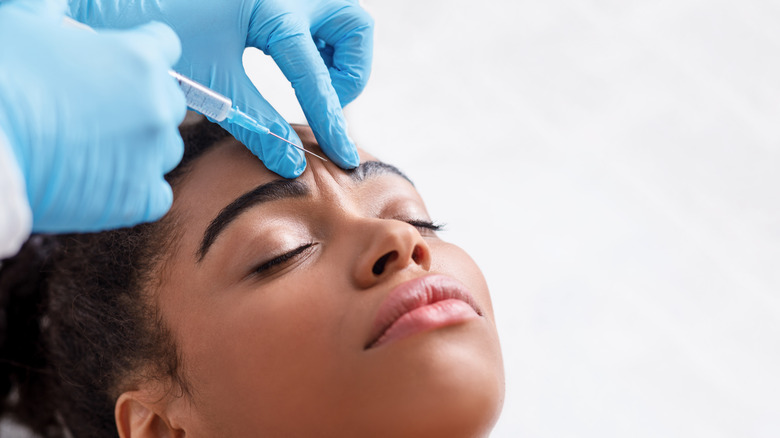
449	383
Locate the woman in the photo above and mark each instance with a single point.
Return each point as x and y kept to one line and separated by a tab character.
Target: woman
258	306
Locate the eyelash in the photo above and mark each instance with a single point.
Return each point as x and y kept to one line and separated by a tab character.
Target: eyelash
425	225
276	261
420	224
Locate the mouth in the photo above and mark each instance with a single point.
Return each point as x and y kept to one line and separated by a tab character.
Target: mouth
419	305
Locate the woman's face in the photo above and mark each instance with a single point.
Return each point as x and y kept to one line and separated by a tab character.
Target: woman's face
280	293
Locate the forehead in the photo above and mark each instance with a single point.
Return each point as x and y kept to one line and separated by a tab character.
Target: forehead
228	171
228	168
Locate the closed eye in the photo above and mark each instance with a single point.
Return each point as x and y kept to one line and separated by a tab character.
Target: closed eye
279	261
425	226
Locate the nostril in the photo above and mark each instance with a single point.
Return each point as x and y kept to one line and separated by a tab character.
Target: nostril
417	254
379	266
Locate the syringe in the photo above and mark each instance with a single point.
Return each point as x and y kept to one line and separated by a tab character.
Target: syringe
212	104
208	102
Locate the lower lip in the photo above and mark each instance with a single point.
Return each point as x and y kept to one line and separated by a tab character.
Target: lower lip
430	317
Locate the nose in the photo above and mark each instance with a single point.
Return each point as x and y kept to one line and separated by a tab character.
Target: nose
389	246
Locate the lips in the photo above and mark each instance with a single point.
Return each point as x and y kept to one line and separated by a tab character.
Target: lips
422	304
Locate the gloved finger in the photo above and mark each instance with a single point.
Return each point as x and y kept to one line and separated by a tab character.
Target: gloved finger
158	36
349	33
326	53
143	195
159	201
160	98
173	150
294	52
277	155
177	103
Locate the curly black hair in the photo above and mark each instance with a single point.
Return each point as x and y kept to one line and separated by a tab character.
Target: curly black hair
78	323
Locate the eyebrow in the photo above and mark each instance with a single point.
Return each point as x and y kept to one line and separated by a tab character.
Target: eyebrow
278	190
272	191
368	169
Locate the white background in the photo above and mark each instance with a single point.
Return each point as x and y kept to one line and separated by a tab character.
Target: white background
614	168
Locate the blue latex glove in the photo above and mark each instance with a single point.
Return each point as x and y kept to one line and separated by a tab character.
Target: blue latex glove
323	47
91	117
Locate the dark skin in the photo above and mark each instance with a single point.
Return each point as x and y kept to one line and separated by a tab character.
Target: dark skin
273	312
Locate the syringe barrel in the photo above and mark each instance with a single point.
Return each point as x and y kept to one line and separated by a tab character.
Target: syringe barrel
202	99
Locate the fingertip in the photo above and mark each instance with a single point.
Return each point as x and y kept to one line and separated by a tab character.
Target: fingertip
160	202
345	154
331	134
354	160
341	150
172	146
291	163
298	171
178	104
351	159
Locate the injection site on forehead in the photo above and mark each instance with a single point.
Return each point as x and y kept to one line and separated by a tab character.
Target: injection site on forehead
278	190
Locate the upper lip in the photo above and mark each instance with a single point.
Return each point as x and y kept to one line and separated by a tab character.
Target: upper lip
414	294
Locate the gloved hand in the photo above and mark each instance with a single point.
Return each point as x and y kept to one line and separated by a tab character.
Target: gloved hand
323	47
91	117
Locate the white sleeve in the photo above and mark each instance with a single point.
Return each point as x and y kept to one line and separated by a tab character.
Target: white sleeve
15	213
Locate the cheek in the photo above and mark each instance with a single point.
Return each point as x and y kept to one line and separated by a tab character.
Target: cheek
452	260
250	350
